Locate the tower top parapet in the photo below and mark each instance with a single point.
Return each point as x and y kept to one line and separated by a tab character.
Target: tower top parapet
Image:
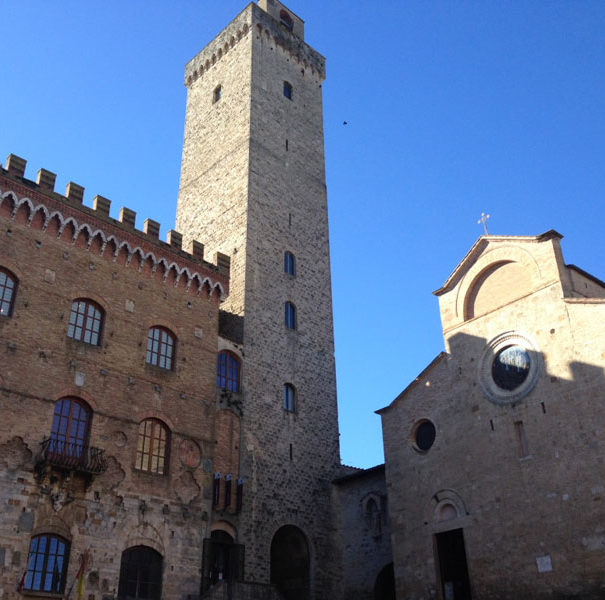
284	16
258	20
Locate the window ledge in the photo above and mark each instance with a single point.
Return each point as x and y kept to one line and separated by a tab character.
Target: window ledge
40	594
144	473
160	371
83	344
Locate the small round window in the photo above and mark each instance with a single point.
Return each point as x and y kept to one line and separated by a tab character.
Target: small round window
510	367
424	436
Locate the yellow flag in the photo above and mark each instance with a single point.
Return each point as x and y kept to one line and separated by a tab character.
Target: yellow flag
81	573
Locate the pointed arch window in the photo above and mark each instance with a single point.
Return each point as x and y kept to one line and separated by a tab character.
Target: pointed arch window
228	371
161	344
70	428
153	447
85	321
289	263
289	397
8	289
47	564
290	315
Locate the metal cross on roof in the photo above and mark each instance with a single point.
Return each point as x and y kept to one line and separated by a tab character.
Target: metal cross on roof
483	220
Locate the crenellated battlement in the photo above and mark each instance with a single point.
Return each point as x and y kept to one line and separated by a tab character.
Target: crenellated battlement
254	19
36	204
204	60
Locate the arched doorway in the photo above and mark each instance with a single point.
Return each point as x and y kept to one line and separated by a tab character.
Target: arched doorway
140	574
384	588
290	563
222	560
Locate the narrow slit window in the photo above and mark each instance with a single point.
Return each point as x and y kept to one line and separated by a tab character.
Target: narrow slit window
290	315
289	397
289	263
288	90
521	439
218	92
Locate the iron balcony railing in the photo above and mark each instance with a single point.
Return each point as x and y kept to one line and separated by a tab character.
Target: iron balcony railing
74	456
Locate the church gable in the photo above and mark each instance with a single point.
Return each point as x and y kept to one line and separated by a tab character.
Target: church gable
498	271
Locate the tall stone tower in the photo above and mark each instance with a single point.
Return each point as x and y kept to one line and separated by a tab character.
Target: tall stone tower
253	187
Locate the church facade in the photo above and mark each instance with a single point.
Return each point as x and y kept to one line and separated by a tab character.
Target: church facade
494	453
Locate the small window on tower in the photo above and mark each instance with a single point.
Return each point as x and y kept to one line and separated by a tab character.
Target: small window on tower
218	90
289	397
289	264
290	315
288	90
286	20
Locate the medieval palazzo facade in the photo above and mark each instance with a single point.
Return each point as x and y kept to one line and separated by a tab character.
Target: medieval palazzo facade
169	419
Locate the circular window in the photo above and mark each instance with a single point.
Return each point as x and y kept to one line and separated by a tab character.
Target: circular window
424	436
509	368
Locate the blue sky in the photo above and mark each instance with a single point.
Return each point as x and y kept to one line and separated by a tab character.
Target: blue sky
453	108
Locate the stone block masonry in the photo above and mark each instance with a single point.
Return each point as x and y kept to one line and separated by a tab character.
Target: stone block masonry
253	187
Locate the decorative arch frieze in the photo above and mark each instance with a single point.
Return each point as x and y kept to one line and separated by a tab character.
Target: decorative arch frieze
67	229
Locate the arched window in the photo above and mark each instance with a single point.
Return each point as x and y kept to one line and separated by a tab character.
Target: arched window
70	428
160	348
140	574
8	289
286	20
153	446
47	564
289	397
227	371
289	263
290	315
288	90
218	92
85	321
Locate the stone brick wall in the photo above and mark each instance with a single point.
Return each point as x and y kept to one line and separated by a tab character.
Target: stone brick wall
253	186
56	261
364	525
530	516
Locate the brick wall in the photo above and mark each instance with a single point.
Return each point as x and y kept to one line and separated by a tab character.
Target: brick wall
123	506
